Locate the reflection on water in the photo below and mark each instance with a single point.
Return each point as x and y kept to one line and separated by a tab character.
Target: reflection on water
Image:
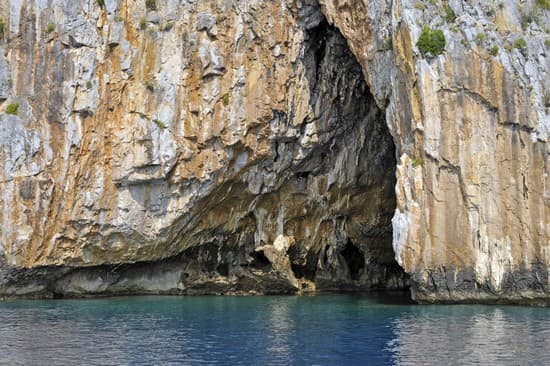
468	335
318	330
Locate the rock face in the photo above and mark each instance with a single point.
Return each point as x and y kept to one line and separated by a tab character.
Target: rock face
274	147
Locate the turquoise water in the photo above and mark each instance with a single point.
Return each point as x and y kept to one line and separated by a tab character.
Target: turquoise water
316	330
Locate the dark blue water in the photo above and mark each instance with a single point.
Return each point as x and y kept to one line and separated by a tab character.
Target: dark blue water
317	330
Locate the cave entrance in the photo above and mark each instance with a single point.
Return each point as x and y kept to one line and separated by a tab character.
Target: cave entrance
360	160
355	260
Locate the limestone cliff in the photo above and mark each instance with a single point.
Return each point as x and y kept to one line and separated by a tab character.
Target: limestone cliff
273	147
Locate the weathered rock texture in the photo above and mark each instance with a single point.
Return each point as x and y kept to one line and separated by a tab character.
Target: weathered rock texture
471	131
265	146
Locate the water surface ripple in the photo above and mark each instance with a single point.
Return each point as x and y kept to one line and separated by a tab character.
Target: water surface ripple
316	330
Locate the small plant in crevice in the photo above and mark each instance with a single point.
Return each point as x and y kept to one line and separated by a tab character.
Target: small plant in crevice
494	50
520	44
547	100
142	23
532	16
151	4
547	42
149	85
2	28
159	123
101	3
89	84
49	28
166	27
480	37
388	44
431	42
450	15
12	108
142	115
225	99
416	161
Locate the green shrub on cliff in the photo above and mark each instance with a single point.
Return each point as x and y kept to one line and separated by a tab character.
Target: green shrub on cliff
431	42
520	44
12	109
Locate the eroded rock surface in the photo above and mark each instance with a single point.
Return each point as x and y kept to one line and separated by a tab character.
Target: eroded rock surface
224	148
274	147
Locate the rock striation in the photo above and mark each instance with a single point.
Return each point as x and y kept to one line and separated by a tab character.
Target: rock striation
189	147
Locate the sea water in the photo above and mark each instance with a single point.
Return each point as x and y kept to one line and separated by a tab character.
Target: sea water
269	330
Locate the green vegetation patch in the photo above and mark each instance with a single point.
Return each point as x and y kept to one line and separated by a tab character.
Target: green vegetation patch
431	42
520	44
101	3
142	23
388	44
417	161
2	28
450	15
494	50
159	123
545	4
49	28
151	4
12	109
225	99
480	37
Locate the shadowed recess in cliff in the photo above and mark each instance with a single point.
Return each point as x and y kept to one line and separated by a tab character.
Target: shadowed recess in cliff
357	252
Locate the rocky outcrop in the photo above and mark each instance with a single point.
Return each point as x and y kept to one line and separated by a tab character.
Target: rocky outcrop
471	130
274	147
